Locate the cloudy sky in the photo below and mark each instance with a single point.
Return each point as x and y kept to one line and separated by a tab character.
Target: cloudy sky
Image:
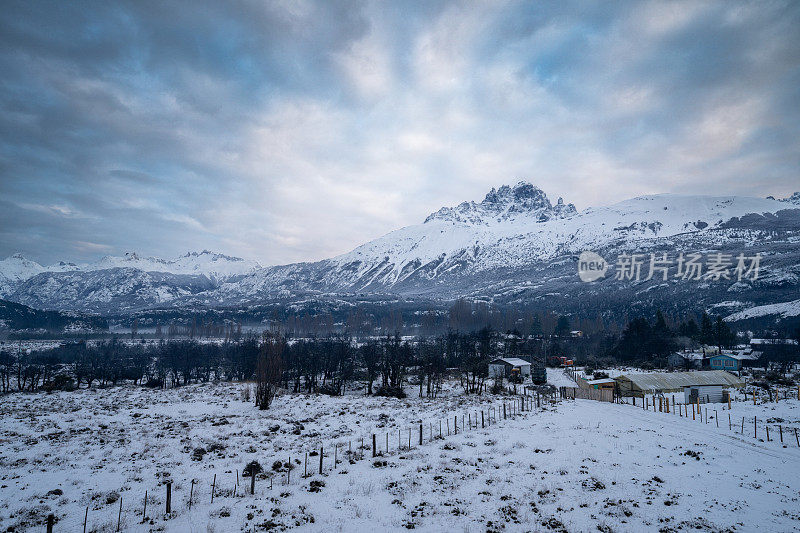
294	130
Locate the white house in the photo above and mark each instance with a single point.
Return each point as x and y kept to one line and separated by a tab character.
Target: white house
507	366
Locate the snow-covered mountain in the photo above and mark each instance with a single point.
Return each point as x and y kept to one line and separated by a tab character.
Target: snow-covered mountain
515	246
15	269
215	266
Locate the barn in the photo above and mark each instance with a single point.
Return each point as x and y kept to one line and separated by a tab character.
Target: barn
661	382
507	366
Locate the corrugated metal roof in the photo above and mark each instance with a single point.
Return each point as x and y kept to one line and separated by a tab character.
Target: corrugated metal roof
678	380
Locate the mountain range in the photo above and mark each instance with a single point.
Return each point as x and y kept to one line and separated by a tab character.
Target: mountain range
515	247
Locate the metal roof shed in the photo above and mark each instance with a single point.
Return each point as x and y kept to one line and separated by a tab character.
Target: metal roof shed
639	384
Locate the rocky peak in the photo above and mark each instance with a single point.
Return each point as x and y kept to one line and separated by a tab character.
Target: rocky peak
523	199
794	199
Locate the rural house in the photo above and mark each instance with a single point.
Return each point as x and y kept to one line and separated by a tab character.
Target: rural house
509	366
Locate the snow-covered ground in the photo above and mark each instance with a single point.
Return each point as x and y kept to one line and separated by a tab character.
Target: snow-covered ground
572	466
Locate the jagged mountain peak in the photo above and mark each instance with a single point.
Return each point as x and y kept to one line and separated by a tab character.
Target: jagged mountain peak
506	203
794	199
214	256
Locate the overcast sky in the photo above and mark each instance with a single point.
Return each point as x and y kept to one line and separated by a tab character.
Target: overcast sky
289	131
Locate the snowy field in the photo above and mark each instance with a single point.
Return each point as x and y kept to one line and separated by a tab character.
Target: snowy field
570	466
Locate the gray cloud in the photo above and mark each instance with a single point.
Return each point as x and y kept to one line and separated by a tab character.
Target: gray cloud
289	131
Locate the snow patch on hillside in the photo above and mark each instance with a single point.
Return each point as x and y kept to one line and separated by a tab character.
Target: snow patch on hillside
783	309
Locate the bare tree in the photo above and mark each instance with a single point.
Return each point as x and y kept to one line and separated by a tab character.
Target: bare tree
268	369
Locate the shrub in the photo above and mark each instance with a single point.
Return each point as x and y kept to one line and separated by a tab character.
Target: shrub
60	382
252	468
390	392
153	383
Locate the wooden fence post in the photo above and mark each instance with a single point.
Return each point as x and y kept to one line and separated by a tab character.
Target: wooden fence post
755	428
144	512
252	482
169	497
119	515
374	448
86	515
51	519
214	484
716	418
305	466
483	425
780	428
420	434
191	494
505	415
321	450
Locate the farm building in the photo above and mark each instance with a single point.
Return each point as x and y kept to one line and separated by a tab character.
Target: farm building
508	366
659	382
703	394
604	383
686	360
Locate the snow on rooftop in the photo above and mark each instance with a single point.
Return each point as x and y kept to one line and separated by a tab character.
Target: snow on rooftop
678	380
513	361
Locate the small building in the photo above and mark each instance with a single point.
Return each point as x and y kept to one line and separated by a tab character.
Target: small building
602	384
509	366
733	361
702	394
776	349
661	382
686	360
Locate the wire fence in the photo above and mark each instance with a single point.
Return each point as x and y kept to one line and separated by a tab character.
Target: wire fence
312	464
